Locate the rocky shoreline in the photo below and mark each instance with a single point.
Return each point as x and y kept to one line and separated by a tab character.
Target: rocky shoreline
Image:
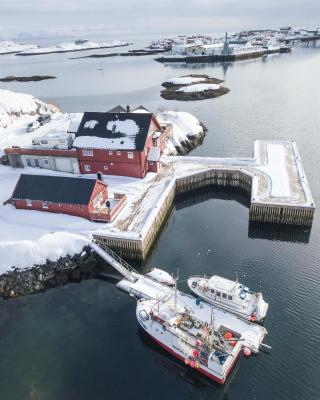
171	91
39	278
193	142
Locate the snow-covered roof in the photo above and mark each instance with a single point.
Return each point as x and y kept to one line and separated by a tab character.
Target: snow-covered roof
123	131
154	154
217	282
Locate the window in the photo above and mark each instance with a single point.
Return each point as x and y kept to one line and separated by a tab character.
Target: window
45	204
87	167
110	153
212	291
44	142
87	152
28	160
105	167
29	203
36	163
230	297
62	141
218	294
224	295
130	154
46	162
118	153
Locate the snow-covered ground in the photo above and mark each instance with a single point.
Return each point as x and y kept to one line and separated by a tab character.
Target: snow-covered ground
200	87
14	105
8	46
73	46
185	126
30	237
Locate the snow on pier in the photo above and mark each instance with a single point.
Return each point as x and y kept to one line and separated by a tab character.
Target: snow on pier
274	177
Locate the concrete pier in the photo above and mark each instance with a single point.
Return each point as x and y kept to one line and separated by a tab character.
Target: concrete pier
274	179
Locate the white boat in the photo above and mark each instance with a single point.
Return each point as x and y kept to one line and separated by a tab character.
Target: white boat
230	295
207	347
252	335
161	276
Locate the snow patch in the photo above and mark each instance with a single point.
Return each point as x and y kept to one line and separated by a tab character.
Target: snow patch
201	87
184	127
185	80
14	105
8	46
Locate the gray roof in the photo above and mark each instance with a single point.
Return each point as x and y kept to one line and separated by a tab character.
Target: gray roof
55	189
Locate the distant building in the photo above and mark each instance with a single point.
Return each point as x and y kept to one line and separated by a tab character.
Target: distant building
81	197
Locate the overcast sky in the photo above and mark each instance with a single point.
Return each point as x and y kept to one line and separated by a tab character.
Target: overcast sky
160	17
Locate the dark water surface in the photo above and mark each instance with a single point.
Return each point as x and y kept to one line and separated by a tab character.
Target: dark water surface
82	341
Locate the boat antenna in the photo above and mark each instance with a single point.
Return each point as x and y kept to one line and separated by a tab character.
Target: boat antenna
175	291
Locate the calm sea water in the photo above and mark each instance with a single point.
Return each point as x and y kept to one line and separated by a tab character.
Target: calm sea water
82	341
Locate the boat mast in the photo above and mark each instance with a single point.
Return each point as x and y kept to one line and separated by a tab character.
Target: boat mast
175	291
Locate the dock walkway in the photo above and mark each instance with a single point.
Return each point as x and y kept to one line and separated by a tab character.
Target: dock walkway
274	178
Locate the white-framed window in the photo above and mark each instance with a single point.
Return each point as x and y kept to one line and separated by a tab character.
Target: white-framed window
130	154
105	167
46	162
28	160
110	153
29	203
87	152
118	153
44	204
87	167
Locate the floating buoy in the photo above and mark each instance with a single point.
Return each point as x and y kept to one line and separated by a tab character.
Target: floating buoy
195	353
233	342
199	343
227	335
187	361
192	363
246	352
253	318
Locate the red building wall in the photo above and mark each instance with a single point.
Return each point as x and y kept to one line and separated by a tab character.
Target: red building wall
70	209
113	162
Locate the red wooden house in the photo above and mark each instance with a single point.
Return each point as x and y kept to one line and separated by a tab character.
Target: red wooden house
118	143
87	198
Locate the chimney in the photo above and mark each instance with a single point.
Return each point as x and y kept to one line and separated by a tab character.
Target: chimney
100	176
128	108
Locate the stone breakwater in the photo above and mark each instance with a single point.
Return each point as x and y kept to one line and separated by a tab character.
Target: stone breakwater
39	278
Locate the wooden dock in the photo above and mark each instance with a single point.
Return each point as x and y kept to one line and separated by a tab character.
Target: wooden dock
274	179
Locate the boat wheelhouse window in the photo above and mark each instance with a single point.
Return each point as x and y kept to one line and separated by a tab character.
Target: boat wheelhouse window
212	291
230	297
218	294
224	295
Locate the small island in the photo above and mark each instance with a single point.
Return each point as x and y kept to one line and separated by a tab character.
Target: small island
34	78
193	87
